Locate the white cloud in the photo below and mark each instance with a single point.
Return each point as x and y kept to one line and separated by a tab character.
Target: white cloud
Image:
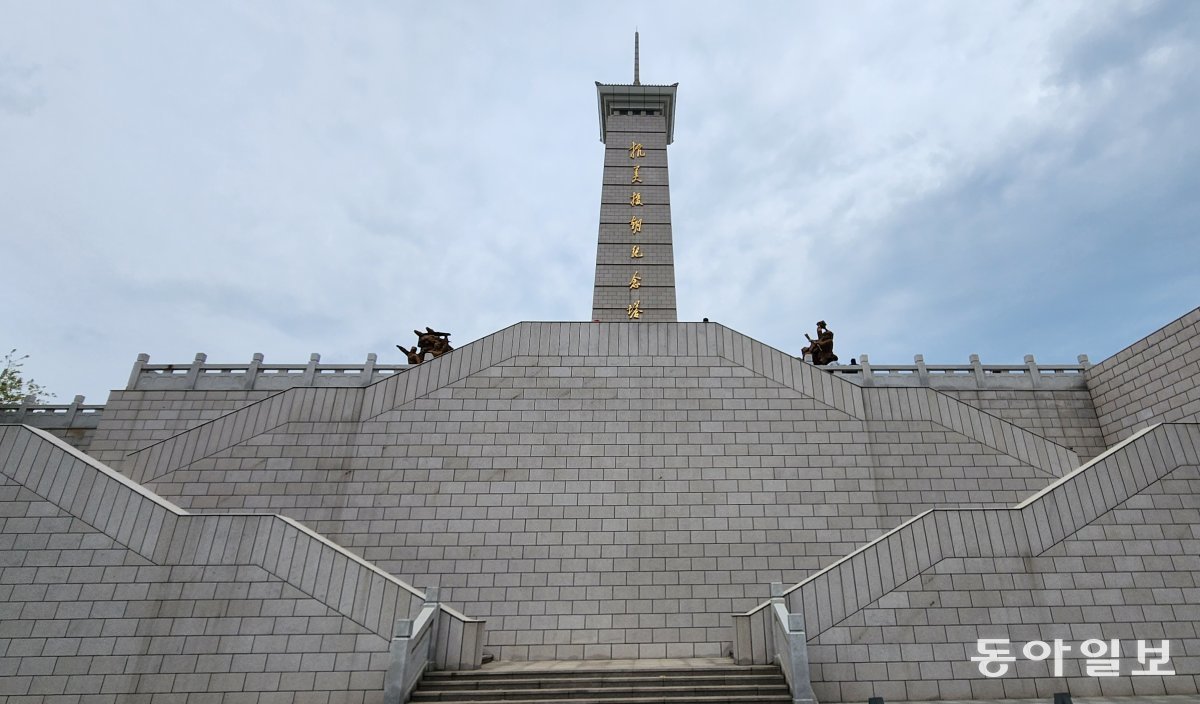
937	177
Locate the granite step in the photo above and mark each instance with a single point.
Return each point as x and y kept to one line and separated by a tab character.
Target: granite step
605	683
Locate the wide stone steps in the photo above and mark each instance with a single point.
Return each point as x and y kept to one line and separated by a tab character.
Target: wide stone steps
579	684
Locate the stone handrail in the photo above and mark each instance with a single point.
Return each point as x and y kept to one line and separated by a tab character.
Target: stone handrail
411	651
791	647
165	534
73	415
1028	529
255	376
429	641
965	377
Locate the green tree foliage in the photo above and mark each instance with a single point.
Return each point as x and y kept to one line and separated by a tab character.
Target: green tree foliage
14	387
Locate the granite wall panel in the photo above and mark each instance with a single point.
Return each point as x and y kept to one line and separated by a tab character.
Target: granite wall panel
1155	380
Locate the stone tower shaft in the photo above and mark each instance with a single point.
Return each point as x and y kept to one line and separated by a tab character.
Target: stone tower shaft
635	261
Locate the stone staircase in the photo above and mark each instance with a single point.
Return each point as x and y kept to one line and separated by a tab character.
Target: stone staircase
607	682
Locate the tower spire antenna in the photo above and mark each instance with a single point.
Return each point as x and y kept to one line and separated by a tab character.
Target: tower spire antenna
637	79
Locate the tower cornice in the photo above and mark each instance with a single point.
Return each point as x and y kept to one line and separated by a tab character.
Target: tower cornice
624	96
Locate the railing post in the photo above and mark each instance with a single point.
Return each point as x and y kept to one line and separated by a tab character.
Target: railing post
922	371
368	372
431	599
980	379
142	360
1034	373
1084	362
795	649
252	371
194	371
73	411
802	691
406	662
310	372
23	407
868	376
393	681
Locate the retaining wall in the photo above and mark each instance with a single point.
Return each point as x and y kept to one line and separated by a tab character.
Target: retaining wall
107	590
602	490
1108	552
1154	380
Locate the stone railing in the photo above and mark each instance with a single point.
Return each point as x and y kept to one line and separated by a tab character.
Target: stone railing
430	642
788	646
204	376
966	377
74	415
257	376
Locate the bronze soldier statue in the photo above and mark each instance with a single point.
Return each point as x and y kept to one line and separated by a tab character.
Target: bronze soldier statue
821	349
414	357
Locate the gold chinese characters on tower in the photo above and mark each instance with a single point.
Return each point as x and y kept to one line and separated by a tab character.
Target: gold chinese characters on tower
636	151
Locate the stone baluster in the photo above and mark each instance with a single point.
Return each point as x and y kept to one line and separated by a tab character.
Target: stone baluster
368	371
73	411
865	363
252	371
142	360
23	406
1034	373
193	374
922	371
977	367
310	372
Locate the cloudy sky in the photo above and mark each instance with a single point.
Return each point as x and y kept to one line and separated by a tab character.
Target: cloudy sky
294	177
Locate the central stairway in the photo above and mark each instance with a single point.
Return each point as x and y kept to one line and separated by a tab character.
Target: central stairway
673	681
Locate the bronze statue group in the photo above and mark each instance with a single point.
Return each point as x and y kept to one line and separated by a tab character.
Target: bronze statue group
432	343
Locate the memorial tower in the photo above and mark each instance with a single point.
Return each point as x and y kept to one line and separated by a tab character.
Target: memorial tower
635	263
